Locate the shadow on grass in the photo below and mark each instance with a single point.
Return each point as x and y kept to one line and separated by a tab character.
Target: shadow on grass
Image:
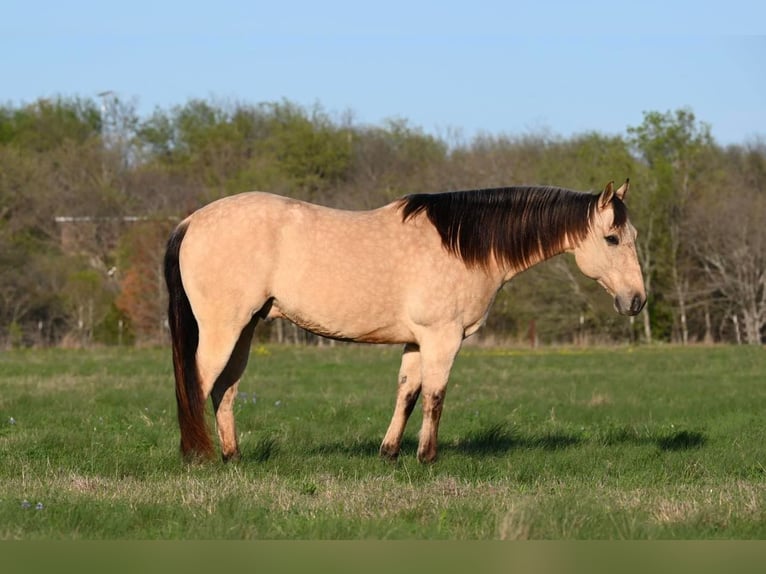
499	439
264	449
361	448
674	441
682	440
496	439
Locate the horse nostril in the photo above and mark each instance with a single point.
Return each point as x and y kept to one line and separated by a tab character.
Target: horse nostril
636	304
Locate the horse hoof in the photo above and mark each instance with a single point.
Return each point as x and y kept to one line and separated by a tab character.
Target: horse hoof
388	453
426	458
233	457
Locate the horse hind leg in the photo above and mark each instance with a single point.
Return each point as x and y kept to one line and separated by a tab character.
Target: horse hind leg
224	393
221	359
406	397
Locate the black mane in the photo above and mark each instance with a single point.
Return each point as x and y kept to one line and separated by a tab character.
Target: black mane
515	225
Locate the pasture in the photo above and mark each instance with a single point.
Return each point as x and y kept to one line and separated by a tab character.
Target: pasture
608	443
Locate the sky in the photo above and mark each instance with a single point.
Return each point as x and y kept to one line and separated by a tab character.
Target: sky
454	69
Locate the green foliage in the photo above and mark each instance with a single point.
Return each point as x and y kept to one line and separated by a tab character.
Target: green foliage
670	140
114	329
677	152
47	124
661	315
15	335
310	150
648	443
411	143
225	143
100	162
588	161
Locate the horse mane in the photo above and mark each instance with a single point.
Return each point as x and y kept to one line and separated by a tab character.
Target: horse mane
516	225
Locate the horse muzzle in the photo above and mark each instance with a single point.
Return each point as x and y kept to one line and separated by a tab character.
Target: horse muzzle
630	305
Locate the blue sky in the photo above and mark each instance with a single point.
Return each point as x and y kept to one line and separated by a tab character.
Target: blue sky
468	67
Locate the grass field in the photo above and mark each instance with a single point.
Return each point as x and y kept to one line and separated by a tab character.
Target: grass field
605	443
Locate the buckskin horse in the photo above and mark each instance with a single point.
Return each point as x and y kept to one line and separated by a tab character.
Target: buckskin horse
422	272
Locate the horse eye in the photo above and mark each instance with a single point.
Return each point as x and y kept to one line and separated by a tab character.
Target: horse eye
612	239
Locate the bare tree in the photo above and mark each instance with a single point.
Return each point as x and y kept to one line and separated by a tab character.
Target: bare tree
731	246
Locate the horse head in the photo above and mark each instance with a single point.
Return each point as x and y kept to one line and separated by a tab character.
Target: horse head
608	252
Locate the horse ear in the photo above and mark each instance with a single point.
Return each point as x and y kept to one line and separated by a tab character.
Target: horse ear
606	195
623	190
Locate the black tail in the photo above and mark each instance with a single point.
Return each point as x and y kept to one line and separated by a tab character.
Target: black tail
184	332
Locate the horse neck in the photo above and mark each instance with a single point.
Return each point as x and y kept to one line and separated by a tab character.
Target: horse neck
508	272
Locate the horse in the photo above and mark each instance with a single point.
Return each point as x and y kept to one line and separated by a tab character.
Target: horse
421	272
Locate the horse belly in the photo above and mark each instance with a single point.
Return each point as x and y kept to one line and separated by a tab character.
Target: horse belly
343	300
346	322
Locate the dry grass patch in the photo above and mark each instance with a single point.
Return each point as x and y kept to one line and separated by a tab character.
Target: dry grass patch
717	504
599	400
516	523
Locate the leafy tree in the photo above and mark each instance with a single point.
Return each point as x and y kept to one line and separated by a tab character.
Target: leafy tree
309	150
48	123
676	148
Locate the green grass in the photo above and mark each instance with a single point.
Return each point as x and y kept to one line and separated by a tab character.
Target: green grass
604	443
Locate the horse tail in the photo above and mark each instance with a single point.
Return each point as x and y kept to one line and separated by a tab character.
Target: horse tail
184	332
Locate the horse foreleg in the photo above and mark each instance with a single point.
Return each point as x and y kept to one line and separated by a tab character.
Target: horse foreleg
406	396
437	359
225	392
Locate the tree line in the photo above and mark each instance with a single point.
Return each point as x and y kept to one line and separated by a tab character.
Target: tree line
89	190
